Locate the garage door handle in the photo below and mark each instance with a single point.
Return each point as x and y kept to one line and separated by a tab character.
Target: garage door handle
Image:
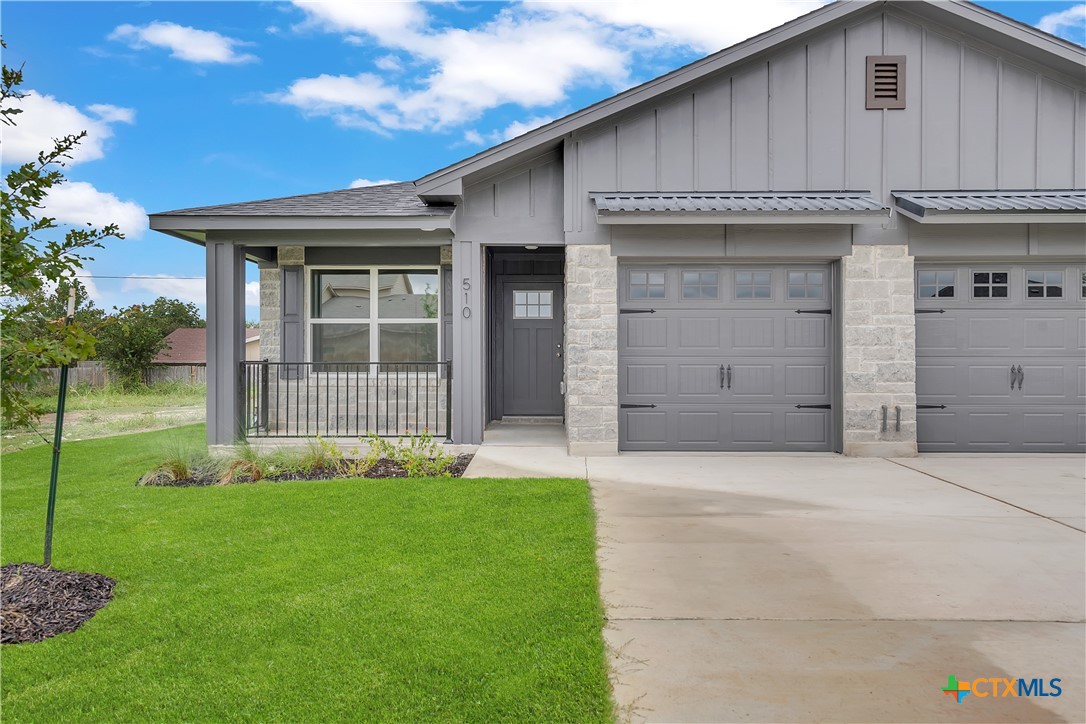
725	376
1014	376
1021	376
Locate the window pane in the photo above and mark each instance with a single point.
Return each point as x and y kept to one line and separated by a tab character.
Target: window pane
407	294
408	342
1054	292
744	292
761	277
1035	277
980	292
639	292
341	295
999	291
999	277
1035	291
798	277
341	342
761	292
1054	279
814	291
690	277
980	277
743	277
520	311
946	291
545	311
709	279
797	292
691	292
656	277
519	298
656	292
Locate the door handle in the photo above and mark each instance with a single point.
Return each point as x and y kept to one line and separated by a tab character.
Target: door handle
1014	376
729	374
559	352
1021	376
722	377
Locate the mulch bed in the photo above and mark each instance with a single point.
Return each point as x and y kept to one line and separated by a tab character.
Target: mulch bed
384	468
39	602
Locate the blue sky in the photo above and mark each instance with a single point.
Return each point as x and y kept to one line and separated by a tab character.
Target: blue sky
195	103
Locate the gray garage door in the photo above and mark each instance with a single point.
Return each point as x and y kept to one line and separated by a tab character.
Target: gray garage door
1000	358
724	357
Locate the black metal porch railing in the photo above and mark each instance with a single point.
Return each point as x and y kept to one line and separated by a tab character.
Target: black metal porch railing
303	399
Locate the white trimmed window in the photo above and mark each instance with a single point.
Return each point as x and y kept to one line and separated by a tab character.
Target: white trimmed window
375	314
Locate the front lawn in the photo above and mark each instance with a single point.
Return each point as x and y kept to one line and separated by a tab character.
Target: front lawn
431	599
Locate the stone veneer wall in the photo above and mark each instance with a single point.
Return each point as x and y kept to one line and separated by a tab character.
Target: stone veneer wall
591	354
879	350
271	301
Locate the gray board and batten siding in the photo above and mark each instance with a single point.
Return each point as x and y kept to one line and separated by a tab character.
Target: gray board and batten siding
976	117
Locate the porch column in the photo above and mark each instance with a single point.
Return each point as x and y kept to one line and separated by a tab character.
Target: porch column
225	340
591	349
467	345
879	344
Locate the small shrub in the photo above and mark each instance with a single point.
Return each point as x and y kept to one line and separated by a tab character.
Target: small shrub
420	455
247	465
184	465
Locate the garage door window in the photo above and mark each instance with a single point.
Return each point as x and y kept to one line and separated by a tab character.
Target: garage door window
647	285
1044	284
934	284
806	284
752	285
701	285
990	285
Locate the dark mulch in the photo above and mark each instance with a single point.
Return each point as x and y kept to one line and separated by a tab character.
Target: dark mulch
383	468
39	602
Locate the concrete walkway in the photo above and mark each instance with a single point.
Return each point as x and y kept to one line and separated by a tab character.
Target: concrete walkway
823	588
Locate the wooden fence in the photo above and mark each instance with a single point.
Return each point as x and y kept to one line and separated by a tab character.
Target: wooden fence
95	374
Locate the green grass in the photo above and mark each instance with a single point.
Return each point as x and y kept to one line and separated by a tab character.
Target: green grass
162	394
430	599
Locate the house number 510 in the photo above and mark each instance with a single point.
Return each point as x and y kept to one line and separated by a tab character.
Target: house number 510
466	285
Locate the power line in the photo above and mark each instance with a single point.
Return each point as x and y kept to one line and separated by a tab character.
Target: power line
101	276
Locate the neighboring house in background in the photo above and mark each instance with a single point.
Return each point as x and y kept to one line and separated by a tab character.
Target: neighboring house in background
861	231
184	346
189	346
252	344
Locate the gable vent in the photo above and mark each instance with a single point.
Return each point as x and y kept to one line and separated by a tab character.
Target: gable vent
885	81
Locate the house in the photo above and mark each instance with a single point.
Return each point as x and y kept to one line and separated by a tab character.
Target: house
188	346
862	231
184	346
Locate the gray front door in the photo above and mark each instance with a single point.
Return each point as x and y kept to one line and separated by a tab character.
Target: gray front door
1000	358
532	346
725	357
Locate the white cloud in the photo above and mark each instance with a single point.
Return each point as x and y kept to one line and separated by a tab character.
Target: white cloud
45	118
388	63
78	203
184	42
361	182
112	114
1069	24
531	54
164	285
704	25
185	289
474	137
469	71
519	128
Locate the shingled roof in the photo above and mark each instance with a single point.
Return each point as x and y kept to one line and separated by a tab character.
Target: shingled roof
398	199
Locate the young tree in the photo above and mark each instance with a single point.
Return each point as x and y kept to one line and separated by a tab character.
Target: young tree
33	260
128	343
170	314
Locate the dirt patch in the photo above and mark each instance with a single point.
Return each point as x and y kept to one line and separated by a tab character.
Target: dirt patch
40	602
383	468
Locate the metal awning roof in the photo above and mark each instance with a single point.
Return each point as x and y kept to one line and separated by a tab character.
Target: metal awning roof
1067	206
738	207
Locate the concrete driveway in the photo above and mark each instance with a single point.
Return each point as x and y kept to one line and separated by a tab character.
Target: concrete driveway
823	588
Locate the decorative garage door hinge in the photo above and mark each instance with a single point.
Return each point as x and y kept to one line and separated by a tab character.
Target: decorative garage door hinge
931	311
637	311
624	406
931	407
812	407
814	311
